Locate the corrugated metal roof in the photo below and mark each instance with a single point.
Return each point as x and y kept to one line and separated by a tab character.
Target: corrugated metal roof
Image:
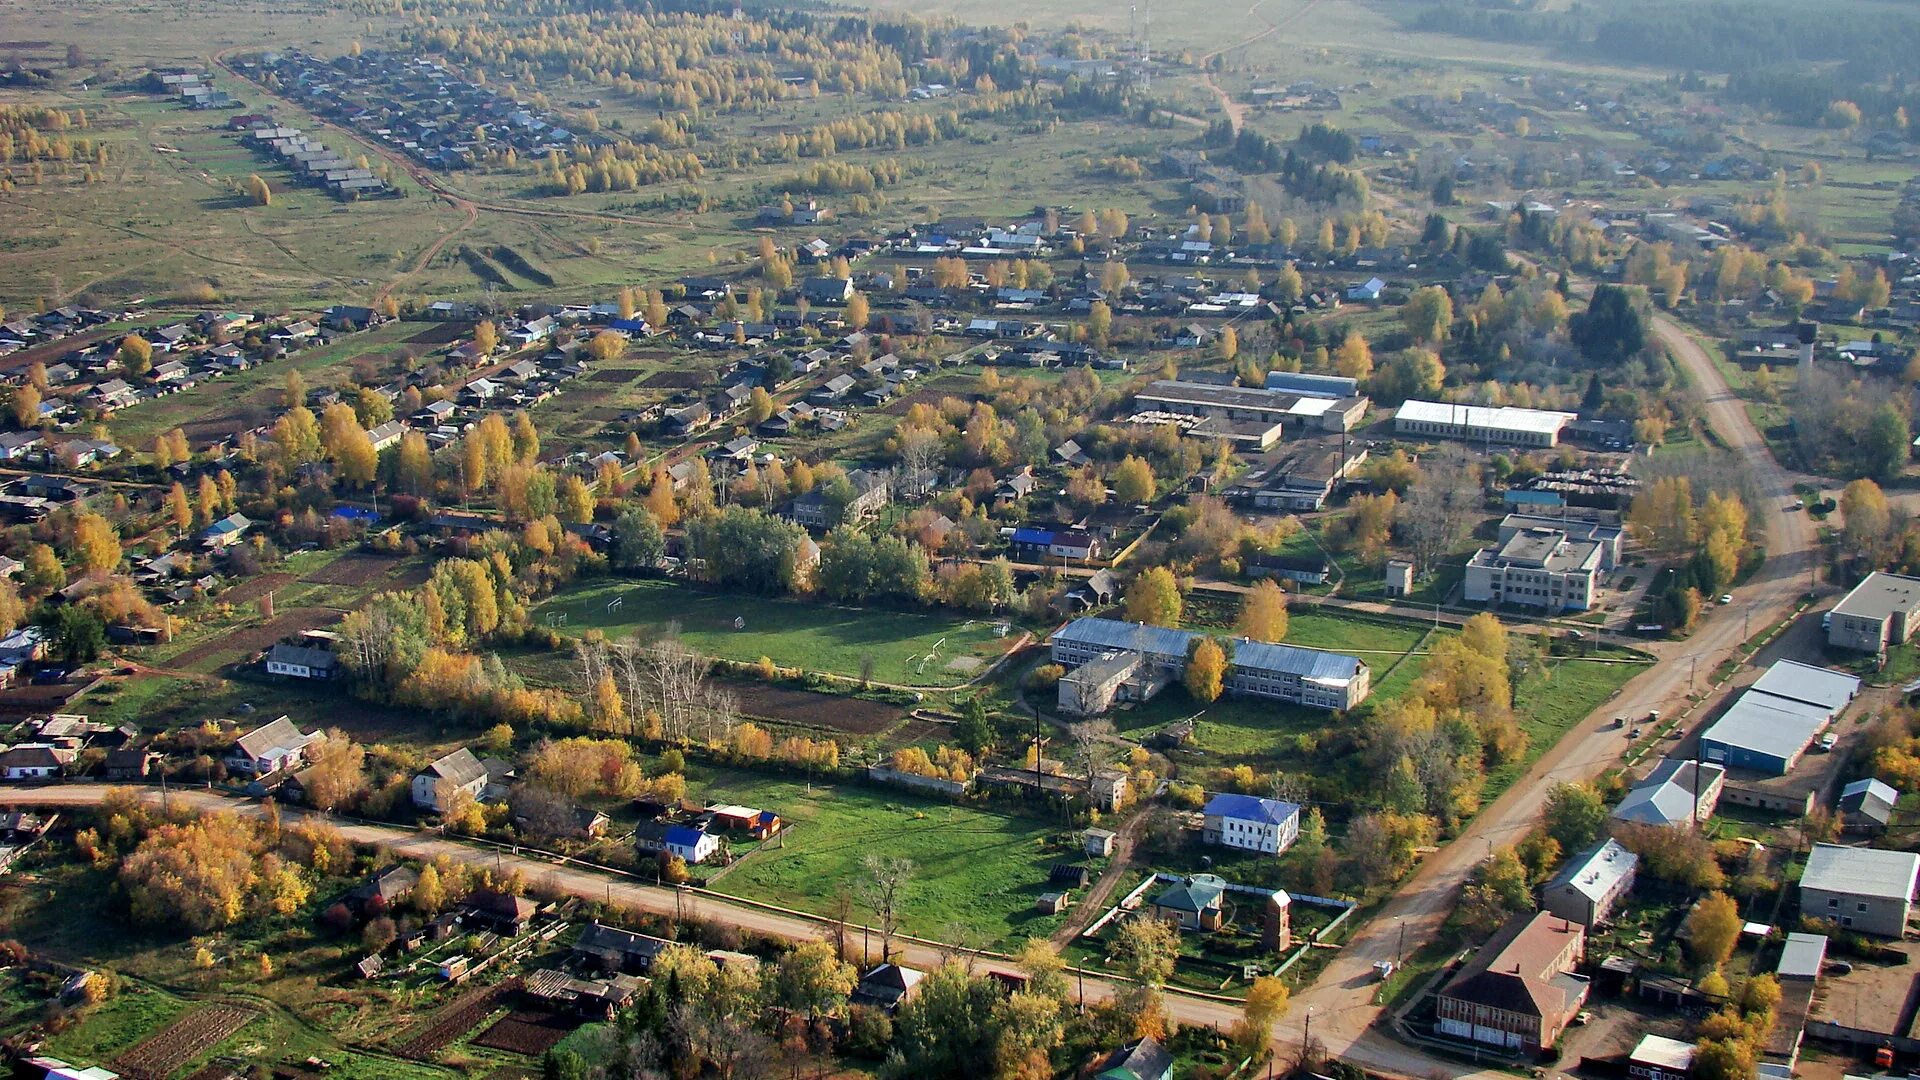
1250	808
1595	873
1813	685
1291	659
1504	418
1765	724
1802	956
1868	872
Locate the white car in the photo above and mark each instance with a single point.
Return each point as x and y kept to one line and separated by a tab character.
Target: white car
1726	598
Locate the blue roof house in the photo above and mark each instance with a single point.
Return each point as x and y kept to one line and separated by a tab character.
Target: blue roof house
1251	823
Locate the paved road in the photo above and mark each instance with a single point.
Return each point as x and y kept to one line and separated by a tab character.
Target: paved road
1341	999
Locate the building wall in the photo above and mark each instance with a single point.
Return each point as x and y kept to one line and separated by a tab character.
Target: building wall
1251	835
1553	590
1574	906
1741	757
1866	915
1858	633
1496	1027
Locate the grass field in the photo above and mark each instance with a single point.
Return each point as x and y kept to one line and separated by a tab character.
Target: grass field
814	637
976	870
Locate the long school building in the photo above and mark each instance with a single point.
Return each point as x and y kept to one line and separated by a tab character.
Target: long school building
1311	677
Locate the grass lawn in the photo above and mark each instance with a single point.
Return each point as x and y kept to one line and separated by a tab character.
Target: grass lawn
1551	700
815	637
973	869
119	1022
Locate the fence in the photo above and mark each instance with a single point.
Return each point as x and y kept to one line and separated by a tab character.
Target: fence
941	785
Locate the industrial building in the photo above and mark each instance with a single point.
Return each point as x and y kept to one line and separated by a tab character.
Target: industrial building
1535	567
1312	677
1303	413
1770	726
1503	426
1876	615
1307	384
1301	477
1676	792
1865	890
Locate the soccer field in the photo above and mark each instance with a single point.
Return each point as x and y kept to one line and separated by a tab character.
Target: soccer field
906	648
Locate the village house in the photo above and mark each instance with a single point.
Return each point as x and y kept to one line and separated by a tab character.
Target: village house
301	662
693	845
35	761
268	749
887	987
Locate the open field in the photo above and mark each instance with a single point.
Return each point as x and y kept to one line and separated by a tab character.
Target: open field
976	870
906	648
245	399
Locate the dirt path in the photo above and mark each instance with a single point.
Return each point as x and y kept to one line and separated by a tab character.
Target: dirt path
1095	901
1341	999
594	884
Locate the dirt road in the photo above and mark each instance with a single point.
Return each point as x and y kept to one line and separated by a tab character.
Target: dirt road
599	885
1341	999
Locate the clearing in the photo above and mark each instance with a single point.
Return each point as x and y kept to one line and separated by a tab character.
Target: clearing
904	648
975	871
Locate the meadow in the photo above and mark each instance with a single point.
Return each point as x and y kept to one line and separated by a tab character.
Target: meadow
974	870
903	647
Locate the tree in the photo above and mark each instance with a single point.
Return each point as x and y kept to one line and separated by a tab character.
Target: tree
1229	344
1099	323
1887	444
1713	928
1427	314
1266	1002
1206	671
259	190
1133	481
336	775
1145	949
813	980
606	345
1617	324
26	405
576	501
1354	358
858	311
96	544
135	355
1154	598
1575	815
486	338
1263	612
946	1028
760	406
638	541
179	508
44	571
884	891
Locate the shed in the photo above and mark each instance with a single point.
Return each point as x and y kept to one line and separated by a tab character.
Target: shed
1067	875
1803	956
1100	842
1051	903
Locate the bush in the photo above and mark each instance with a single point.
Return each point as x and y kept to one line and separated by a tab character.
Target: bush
1045	677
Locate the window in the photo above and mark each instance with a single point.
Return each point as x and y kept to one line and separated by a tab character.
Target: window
1833	902
1862	908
